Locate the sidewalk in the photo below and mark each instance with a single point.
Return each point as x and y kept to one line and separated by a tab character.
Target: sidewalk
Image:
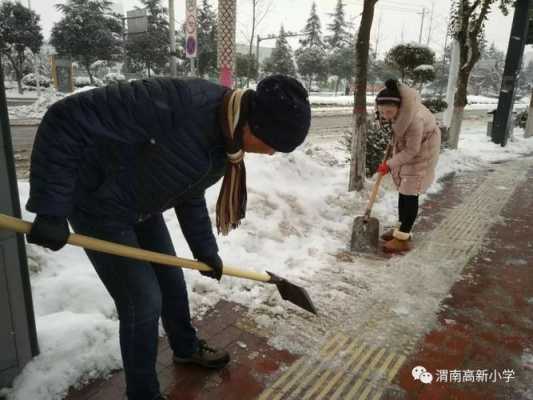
483	323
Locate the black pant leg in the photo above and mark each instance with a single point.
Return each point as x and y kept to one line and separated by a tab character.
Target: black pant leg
408	211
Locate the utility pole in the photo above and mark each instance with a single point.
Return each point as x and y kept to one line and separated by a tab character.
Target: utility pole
377	37
444	52
172	33
430	23
36	62
268	37
423	13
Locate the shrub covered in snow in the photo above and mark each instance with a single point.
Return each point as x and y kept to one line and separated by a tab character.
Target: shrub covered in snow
435	105
30	80
377	139
81	81
114	77
521	119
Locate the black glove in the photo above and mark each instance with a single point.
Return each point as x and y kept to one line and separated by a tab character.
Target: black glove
48	231
216	265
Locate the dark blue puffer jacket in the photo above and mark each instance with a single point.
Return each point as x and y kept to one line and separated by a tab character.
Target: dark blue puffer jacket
122	152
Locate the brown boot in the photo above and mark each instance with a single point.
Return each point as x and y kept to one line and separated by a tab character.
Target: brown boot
388	235
399	243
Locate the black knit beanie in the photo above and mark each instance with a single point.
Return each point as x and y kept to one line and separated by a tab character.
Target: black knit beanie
280	113
390	94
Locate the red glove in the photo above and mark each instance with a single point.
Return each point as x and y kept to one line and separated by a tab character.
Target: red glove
383	168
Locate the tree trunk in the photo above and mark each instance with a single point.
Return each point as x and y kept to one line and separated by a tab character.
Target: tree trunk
19	84
17	68
452	83
337	85
87	66
458	109
254	8
471	24
357	168
529	124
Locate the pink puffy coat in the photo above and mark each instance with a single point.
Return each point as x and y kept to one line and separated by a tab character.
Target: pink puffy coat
416	145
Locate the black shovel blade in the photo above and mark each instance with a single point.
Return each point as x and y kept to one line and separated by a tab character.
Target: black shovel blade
365	235
295	294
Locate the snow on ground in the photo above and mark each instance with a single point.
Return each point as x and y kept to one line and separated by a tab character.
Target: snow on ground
37	109
298	215
322	105
14	94
474	102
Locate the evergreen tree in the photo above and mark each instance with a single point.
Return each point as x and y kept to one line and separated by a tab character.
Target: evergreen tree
207	40
340	37
525	79
341	63
486	76
312	30
280	61
246	68
20	33
87	32
312	64
150	50
407	58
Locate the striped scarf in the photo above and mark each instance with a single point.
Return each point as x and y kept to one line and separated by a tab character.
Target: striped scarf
231	203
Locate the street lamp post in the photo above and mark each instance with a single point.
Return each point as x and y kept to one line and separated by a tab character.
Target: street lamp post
268	37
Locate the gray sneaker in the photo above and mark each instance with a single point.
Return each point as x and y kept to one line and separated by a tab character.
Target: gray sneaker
206	356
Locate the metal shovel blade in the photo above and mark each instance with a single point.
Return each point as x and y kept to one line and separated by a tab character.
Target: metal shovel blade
365	235
295	294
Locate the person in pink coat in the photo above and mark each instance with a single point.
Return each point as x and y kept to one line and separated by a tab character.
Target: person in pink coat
416	147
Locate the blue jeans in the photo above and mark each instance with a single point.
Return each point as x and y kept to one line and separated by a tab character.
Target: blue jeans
142	292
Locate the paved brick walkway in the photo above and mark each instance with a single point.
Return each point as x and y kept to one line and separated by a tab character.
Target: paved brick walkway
485	324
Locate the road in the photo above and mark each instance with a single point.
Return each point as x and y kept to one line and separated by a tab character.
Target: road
323	128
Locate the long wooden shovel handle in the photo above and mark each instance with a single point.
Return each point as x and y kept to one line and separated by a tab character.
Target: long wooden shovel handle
373	195
90	243
375	189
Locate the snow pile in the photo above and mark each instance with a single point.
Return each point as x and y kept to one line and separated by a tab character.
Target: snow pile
114	77
474	102
337	100
425	67
472	99
37	109
299	216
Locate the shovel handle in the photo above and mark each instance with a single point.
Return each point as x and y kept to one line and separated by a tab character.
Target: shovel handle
103	246
373	196
375	189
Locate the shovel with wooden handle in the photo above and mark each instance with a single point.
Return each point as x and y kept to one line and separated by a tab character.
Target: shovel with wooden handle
288	291
365	231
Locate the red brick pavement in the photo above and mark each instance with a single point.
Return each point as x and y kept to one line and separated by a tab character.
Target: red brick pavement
487	321
253	362
485	324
